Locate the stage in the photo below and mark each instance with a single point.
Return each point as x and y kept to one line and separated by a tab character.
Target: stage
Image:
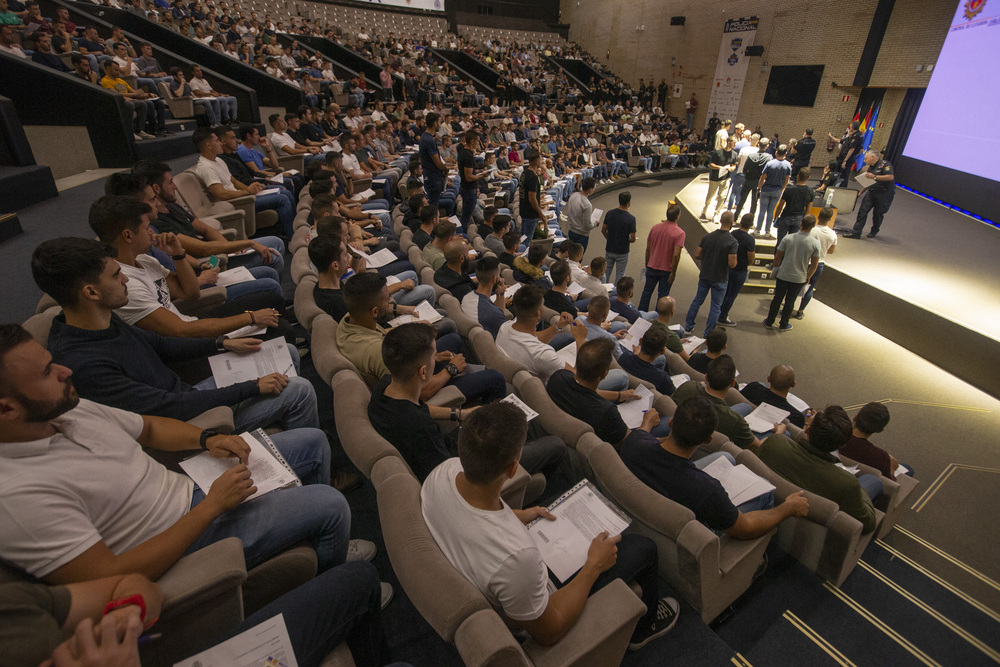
928	281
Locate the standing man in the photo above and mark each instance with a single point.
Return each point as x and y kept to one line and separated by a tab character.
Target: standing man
619	230
745	255
721	163
661	94
822	232
751	163
468	179
579	212
531	196
690	107
850	147
795	262
663	256
771	184
794	204
431	164
877	197
718	254
803	152
722	136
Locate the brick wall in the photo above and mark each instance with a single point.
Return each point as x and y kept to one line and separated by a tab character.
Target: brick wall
809	32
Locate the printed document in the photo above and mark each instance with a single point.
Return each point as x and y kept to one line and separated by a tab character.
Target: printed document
240	274
514	400
740	483
268	471
633	411
765	417
635	333
380	258
230	368
264	645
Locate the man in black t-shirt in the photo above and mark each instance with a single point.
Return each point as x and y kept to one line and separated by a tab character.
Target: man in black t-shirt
746	253
640	363
780	381
619	230
717	252
665	466
557	298
469	180
794	203
803	152
531	196
850	148
453	275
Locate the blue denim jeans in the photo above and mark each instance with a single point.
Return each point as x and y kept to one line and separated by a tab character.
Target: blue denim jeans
582	239
658	280
807	297
479	387
254	259
718	291
768	200
412	297
787	224
872	484
617	263
470	198
295	407
266	280
736	281
284	203
616	380
528	228
314	512
735	187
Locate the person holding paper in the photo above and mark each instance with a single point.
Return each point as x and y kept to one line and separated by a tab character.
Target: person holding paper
720	377
665	309
359	338
715	346
83	500
641	362
558	297
579	211
453	275
780	381
250	139
528	269
581	394
810	462
468	178
876	196
665	466
488	543
598	326
488	303
123	366
622	305
409	424
239	170
872	418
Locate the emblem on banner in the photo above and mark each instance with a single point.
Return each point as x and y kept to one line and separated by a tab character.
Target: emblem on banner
736	44
973	7
733	59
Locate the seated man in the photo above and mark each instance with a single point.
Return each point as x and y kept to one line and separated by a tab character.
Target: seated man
410	208
511	243
487	541
872	418
528	270
642	363
453	275
666	467
780	381
596	321
123	366
720	377
810	462
621	304
222	186
522	341
487	304
494	240
433	252
202	88
408	423
82	500
153	112
579	394
284	144
558	297
664	312
715	345
359	338
429	217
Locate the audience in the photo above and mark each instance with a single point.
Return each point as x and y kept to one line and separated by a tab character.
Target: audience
487	304
715	345
871	419
780	381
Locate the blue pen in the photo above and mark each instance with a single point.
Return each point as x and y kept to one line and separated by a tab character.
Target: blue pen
149	637
288	369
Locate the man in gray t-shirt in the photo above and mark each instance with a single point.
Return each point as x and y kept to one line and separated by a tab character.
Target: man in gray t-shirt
795	261
717	252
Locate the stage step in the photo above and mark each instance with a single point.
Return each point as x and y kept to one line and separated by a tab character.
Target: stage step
165	148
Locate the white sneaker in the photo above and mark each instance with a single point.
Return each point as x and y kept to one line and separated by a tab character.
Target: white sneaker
387	594
137	137
361	550
147	135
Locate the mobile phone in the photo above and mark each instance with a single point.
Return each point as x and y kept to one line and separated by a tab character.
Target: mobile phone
212	262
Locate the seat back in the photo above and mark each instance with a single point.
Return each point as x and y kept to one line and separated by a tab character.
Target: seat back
306	310
357	435
298	240
465	324
193	193
301	266
327	358
550	417
417	258
491	356
39	325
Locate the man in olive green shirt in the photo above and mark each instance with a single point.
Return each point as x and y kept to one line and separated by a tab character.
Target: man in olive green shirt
720	377
809	462
433	252
664	312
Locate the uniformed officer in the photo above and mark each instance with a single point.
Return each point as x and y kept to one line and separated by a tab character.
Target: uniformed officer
877	197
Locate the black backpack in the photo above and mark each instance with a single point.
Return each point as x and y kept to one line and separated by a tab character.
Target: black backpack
754	166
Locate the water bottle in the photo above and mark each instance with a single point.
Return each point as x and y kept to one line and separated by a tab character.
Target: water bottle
829	198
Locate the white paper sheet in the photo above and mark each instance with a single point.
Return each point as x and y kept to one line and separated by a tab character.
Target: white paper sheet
392	280
900	470
693	344
380	258
741	483
248	330
595	217
245	251
581	515
266	471
797	402
514	400
568	353
269	191
633	411
765	417
854	470
240	274
424	311
230	368
277	178
264	645
512	290
574	289
363	195
679	379
635	333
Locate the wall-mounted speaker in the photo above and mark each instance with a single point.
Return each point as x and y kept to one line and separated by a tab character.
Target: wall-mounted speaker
676	20
755	50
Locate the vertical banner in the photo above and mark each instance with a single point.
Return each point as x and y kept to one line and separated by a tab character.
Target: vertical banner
731	70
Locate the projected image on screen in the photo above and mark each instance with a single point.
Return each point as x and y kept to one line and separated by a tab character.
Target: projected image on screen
955	126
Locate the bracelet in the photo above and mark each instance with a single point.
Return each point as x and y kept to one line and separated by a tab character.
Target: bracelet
136	599
179	257
220	343
459	414
454	414
394	309
253	320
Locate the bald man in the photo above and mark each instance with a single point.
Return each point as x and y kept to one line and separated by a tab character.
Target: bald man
780	381
877	197
665	308
453	274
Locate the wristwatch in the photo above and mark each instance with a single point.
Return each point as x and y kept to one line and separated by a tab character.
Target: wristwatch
205	435
452	370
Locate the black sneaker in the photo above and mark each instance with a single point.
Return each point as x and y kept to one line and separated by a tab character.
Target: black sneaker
768	324
799	314
727	322
852	235
785	327
872	235
667	612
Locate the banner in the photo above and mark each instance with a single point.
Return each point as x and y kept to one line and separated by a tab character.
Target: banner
731	70
431	5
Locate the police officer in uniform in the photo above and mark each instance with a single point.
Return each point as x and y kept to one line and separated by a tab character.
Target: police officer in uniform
877	197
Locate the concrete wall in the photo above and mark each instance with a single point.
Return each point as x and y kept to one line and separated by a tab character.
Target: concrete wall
808	32
65	149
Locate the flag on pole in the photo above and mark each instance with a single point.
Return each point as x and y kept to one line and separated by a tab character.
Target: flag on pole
868	127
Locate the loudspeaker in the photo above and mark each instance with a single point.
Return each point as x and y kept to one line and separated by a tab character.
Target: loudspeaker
676	20
755	50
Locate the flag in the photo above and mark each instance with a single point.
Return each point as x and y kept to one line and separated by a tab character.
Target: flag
868	127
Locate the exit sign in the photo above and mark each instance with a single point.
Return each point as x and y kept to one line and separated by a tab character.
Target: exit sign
845	98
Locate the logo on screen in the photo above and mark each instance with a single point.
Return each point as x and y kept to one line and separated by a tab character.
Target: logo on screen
973	7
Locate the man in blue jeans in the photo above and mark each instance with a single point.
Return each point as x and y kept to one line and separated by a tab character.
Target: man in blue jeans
619	230
745	256
665	465
468	178
431	164
771	184
531	196
579	211
718	254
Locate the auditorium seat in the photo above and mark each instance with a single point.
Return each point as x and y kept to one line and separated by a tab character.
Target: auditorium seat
301	266
326	356
894	493
466	325
550	417
417	259
427	278
306	310
489	354
462	616
709	571
193	193
298	239
180	106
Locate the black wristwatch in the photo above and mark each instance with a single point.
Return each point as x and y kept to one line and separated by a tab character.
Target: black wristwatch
205	435
452	370
179	257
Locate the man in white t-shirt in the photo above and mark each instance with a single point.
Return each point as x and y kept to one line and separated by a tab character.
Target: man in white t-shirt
822	232
486	540
81	500
520	341
227	103
284	144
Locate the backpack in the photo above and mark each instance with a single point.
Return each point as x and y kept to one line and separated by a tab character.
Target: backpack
754	166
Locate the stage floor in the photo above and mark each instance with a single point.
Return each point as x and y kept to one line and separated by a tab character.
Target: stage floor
931	256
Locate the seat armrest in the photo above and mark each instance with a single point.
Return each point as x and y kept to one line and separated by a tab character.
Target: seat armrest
483	640
246	204
211	571
209	298
230	224
289	162
218	418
